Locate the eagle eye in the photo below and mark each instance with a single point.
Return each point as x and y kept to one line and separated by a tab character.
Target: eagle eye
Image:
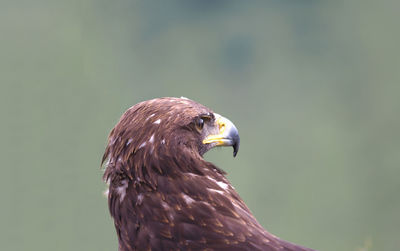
199	124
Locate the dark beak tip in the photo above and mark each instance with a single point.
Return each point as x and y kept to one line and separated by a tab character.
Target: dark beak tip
235	149
236	143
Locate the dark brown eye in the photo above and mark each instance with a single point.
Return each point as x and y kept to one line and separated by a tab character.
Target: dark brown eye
199	124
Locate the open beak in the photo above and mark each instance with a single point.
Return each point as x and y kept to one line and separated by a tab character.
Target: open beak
227	134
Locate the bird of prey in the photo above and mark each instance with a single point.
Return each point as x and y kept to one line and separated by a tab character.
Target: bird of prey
163	195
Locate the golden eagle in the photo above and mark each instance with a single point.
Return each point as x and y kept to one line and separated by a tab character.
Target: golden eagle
164	196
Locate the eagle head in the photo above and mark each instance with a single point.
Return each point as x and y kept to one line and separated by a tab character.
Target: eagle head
166	128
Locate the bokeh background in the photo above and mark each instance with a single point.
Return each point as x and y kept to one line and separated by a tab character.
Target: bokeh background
313	87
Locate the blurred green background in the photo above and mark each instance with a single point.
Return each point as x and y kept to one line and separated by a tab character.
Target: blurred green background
313	87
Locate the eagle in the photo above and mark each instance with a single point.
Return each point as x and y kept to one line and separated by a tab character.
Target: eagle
163	195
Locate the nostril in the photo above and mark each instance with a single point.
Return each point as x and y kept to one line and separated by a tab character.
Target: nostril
222	126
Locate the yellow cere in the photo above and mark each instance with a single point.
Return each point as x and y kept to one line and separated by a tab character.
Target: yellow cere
221	125
217	138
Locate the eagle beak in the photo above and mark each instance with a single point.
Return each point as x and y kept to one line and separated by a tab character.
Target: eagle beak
227	134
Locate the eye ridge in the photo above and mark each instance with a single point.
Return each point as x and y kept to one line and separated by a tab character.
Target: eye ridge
206	117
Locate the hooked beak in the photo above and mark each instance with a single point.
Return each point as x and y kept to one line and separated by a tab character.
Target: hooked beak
227	134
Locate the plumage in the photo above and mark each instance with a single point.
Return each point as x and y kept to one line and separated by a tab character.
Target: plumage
164	196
